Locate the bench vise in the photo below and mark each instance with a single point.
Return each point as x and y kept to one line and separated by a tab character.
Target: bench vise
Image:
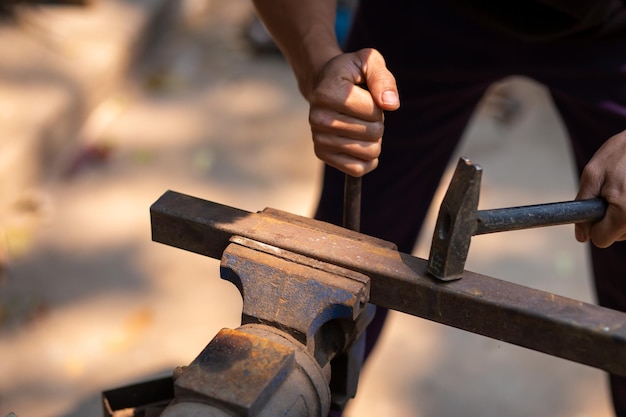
308	291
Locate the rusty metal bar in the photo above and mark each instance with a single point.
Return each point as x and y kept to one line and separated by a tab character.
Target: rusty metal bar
534	319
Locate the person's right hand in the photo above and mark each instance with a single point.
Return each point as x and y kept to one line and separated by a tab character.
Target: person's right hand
346	110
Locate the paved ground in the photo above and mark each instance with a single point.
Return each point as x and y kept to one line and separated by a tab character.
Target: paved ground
88	302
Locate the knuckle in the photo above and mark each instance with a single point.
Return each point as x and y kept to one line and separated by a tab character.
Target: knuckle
321	96
355	170
318	118
383	76
377	129
599	243
364	151
323	143
363	167
590	171
322	154
373	151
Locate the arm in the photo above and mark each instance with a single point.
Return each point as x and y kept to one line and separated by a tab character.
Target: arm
346	119
605	176
305	33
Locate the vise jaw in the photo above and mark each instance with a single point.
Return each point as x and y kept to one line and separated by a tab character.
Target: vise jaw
292	292
299	316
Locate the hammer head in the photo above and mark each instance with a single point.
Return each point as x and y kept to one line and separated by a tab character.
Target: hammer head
456	223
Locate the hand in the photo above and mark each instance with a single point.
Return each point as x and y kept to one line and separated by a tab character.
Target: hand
605	176
346	110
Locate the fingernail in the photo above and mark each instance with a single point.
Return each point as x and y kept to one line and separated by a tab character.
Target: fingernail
391	98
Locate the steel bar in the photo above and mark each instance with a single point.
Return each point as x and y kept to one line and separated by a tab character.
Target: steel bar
551	214
352	203
538	320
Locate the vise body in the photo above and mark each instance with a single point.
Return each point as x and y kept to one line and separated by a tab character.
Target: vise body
307	289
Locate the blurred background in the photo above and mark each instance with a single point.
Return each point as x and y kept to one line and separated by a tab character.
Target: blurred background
106	104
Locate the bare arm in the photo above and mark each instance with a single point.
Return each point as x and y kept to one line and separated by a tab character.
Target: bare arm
346	119
305	33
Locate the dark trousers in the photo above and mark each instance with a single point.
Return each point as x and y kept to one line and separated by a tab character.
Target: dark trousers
443	65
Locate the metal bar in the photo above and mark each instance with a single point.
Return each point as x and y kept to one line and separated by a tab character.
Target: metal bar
144	398
538	320
352	203
551	214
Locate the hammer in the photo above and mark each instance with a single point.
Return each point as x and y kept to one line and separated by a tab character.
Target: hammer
459	220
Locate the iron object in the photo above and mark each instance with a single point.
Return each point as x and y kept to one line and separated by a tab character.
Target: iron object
352	203
145	399
251	371
545	322
459	219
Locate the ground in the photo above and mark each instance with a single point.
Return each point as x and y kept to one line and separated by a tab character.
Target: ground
88	302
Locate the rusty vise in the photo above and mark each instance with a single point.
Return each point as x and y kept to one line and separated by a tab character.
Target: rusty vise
307	287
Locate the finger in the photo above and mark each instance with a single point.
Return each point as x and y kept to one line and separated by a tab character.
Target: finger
346	98
323	121
610	229
591	181
360	103
325	145
582	231
379	80
350	165
590	187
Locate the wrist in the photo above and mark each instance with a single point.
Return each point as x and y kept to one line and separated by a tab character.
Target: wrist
305	33
315	56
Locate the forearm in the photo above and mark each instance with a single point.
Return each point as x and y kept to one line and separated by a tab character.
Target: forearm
304	30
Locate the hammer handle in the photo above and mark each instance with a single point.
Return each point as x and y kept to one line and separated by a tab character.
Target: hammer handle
551	214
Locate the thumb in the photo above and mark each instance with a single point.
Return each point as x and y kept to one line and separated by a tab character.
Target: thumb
379	80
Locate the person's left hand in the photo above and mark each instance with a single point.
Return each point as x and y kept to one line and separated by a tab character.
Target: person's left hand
605	176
